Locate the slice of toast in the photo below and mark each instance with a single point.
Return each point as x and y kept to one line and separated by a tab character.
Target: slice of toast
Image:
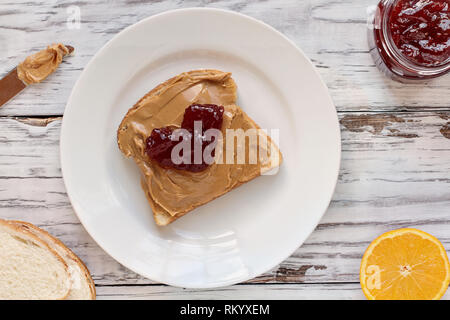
173	193
83	287
29	268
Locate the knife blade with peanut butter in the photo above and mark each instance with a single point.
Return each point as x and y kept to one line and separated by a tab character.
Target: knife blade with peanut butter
34	69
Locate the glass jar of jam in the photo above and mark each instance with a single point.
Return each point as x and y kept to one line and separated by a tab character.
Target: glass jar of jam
410	39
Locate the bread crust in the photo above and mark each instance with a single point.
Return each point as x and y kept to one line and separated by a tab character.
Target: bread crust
18	229
36	230
171	219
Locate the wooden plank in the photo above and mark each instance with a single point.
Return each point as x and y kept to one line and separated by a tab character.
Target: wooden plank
332	34
394	174
341	291
237	292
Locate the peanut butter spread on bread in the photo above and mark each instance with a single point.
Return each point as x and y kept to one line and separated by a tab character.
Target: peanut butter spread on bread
36	67
171	192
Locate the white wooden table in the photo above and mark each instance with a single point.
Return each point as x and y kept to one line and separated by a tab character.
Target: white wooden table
395	168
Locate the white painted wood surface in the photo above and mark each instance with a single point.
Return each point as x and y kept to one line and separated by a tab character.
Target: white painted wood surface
396	142
347	291
331	33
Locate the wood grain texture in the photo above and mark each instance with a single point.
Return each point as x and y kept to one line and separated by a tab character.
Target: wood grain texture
394	174
237	292
332	33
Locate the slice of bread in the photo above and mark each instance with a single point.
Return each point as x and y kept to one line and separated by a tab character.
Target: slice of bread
173	193
83	287
29	268
163	218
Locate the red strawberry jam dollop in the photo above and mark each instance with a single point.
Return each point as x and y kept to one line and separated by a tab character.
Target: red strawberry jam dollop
159	144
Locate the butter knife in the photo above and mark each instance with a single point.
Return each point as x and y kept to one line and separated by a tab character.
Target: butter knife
11	85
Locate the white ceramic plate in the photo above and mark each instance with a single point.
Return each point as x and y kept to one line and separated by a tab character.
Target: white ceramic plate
249	230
